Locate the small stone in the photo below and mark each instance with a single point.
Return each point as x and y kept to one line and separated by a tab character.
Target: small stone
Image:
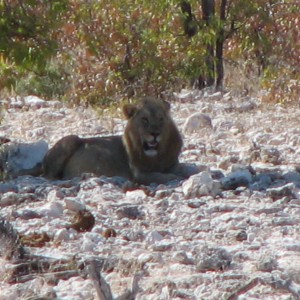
109	232
195	203
87	245
261	182
53	209
153	237
269	210
36	239
282	191
285	221
163	194
270	155
181	257
73	205
246	106
55	104
26	214
236	179
83	221
130	211
241	236
227	161
163	204
16	102
36	133
9	198
3	140
201	184
240	257
94	237
213	259
61	235
55	195
137	196
133	236
292	176
149	257
215	96
196	122
217	174
162	246
5	188
290	265
35	102
293	247
266	263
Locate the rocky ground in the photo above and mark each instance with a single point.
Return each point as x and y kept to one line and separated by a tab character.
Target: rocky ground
232	231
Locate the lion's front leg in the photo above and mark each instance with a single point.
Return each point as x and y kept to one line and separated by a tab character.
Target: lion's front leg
185	170
155	177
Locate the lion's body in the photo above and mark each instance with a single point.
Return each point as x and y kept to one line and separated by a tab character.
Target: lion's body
101	156
147	152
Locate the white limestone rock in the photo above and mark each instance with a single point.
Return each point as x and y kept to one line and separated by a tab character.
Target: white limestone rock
19	156
51	210
34	102
197	122
73	205
201	184
136	196
9	198
61	235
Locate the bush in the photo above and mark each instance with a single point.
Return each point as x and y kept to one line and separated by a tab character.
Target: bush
99	52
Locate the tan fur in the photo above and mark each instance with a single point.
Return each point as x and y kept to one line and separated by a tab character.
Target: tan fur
148	151
148	118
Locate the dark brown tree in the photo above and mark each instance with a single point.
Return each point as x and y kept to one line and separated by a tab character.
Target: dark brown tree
219	47
208	12
213	71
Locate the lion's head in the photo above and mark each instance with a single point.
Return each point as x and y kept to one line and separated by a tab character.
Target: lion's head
151	138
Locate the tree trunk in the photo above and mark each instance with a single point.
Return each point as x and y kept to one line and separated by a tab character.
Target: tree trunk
219	47
208	11
189	23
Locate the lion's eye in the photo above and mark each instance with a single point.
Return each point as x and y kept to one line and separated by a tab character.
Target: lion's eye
145	121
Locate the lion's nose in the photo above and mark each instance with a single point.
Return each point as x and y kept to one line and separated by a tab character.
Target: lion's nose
155	135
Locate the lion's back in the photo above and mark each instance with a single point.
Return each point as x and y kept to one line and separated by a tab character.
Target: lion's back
100	156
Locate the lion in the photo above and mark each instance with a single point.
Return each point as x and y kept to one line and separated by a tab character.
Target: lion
147	152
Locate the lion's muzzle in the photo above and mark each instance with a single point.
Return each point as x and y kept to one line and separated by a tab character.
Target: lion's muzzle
150	145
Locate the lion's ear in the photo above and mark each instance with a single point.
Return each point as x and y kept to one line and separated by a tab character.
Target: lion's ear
167	105
129	110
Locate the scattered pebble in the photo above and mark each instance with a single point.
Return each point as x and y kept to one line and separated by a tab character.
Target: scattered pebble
213	259
199	185
236	179
266	263
129	211
196	123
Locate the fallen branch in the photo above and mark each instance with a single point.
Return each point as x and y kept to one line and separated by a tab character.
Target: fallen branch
288	285
274	282
131	294
102	287
49	277
244	289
